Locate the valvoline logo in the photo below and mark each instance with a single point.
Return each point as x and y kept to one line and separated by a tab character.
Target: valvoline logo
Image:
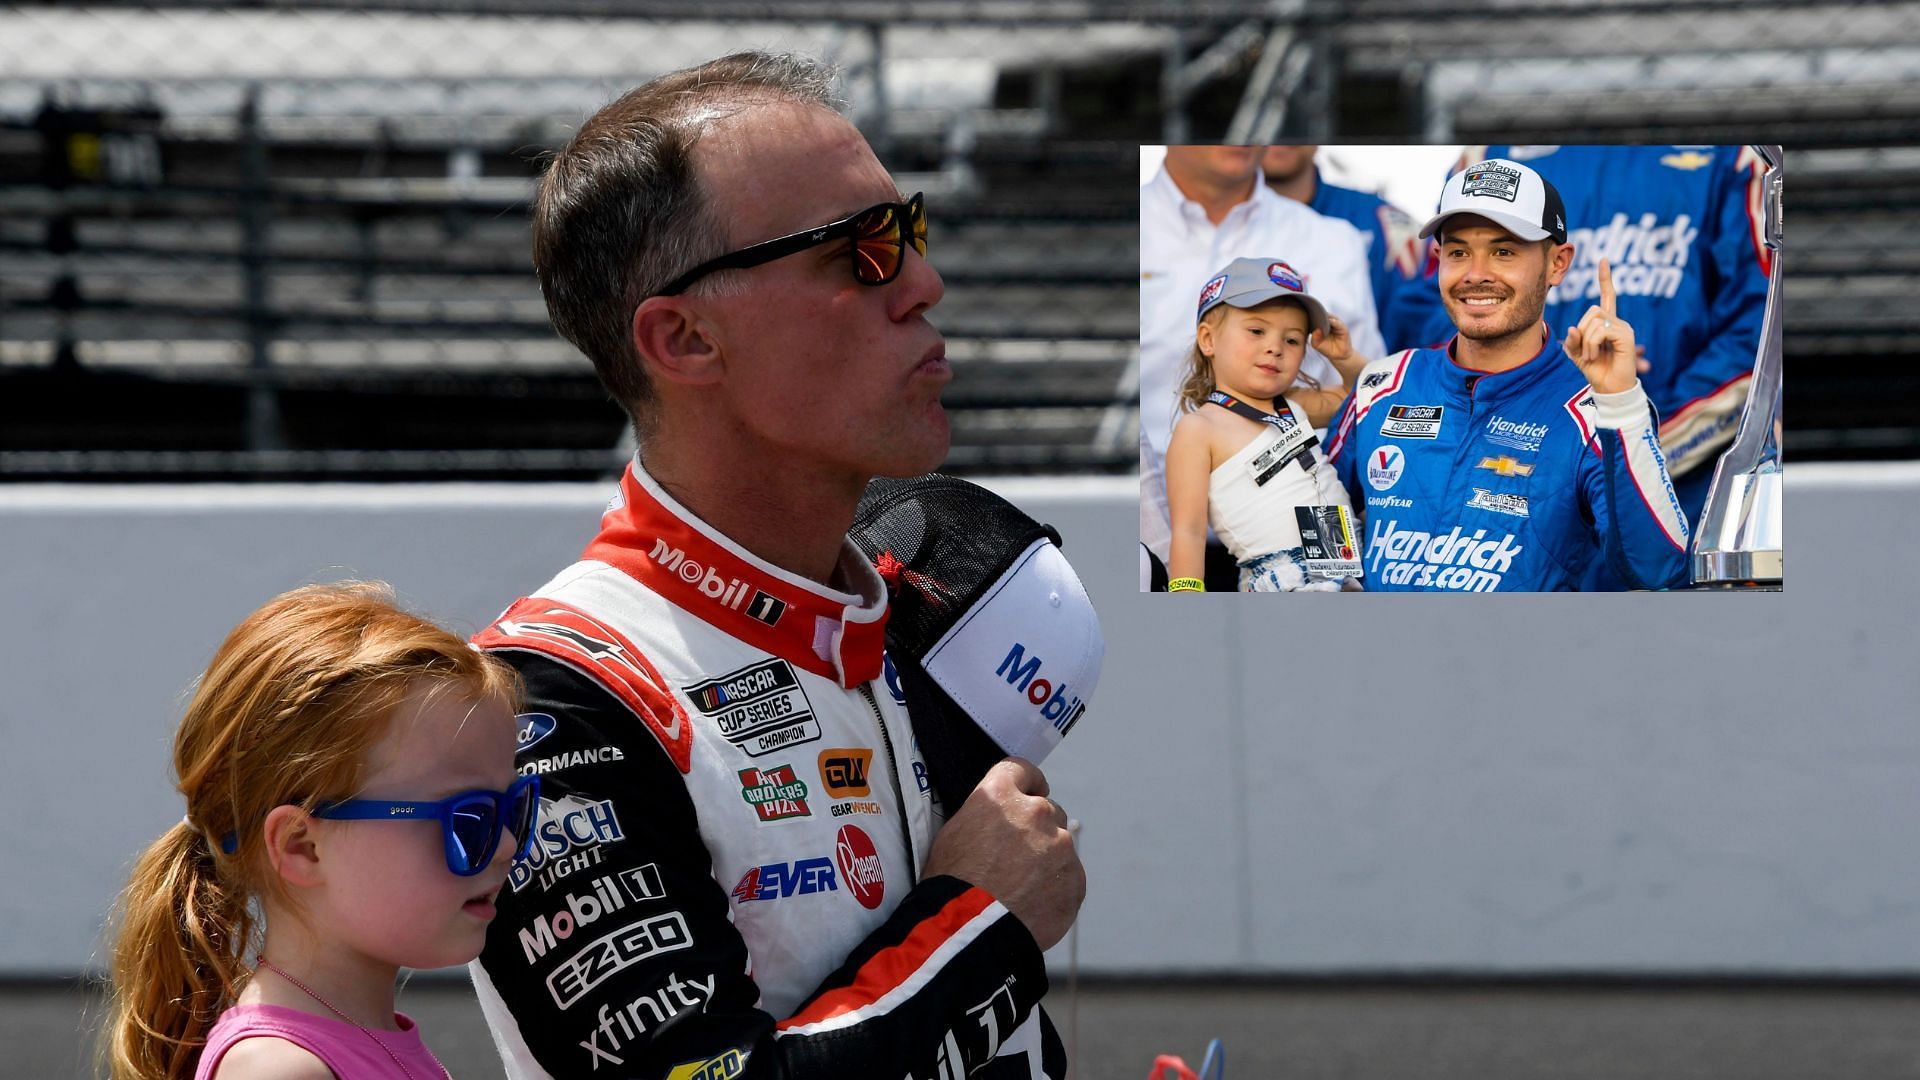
1057	705
534	726
1384	467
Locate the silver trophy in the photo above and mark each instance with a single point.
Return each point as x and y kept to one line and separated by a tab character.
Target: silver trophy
1737	543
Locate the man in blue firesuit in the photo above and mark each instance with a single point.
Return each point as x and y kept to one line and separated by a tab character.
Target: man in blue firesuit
1493	462
1680	227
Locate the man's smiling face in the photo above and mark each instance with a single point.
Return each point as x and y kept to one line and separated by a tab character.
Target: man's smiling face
1494	285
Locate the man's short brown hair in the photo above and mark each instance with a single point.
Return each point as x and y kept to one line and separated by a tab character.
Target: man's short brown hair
622	211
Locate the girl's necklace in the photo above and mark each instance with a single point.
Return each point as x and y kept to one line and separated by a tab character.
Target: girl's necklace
262	961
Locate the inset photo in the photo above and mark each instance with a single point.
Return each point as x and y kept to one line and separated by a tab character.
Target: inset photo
1459	368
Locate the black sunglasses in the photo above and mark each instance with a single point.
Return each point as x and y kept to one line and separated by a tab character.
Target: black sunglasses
880	235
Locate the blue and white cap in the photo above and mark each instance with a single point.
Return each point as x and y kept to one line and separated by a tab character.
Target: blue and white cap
1246	283
1506	193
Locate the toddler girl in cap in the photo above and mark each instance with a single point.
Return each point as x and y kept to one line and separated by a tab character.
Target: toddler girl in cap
1243	458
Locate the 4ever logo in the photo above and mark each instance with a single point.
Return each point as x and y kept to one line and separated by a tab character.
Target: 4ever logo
774	881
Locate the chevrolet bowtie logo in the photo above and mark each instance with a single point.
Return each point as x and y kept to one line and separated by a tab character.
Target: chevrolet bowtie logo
1689	160
1505	466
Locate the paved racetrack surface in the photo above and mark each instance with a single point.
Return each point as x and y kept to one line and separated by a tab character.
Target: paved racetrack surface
1430	1031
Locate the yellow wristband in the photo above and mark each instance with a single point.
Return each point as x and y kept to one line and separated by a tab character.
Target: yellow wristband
1186	584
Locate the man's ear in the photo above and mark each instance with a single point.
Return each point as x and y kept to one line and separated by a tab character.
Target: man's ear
675	344
1559	261
292	849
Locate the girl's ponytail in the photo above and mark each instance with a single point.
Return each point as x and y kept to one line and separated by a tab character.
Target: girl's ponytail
177	959
285	714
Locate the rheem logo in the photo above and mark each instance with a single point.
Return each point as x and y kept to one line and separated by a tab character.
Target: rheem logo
860	866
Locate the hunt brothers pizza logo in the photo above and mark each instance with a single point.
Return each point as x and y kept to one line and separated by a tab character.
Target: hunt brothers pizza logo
776	793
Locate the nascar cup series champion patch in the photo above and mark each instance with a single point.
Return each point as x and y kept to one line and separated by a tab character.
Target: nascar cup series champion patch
991	639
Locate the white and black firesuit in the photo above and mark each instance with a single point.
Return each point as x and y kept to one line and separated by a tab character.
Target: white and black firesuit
734	816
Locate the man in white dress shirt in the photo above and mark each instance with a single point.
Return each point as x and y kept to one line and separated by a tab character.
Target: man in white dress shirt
1207	206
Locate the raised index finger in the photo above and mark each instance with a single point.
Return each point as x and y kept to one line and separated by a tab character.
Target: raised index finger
1606	288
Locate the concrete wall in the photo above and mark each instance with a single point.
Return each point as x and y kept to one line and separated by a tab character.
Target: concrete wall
1636	784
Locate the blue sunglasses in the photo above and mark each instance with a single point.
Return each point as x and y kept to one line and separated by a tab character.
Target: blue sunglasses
471	821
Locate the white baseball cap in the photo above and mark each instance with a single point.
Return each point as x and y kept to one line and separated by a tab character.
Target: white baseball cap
1506	193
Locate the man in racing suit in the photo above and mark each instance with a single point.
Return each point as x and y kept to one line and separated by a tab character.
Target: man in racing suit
738	869
1681	227
1491	463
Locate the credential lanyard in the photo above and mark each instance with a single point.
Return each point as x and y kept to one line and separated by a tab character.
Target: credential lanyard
1288	425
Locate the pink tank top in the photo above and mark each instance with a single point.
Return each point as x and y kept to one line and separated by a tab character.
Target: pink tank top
343	1047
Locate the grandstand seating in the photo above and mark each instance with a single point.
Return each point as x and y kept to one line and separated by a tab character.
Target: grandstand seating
341	287
378	303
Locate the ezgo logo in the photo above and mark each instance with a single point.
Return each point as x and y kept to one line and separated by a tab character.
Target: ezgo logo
1384	467
1056	705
